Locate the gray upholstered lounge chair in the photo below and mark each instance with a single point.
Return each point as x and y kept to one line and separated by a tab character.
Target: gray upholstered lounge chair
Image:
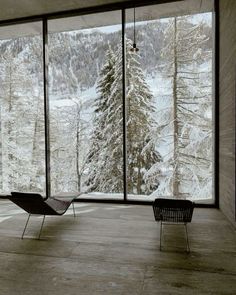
173	211
35	203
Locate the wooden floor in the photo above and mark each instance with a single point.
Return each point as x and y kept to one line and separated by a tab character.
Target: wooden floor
114	249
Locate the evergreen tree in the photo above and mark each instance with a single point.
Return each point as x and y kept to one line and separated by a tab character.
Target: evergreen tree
107	145
98	155
141	152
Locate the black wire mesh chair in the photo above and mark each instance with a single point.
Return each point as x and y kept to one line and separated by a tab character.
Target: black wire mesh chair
35	203
173	211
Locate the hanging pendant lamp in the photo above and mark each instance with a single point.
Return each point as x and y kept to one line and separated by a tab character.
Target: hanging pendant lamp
134	48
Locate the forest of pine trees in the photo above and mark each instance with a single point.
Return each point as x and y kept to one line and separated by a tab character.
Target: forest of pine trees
168	111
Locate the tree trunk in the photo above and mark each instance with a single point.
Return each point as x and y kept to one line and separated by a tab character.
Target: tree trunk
35	152
9	132
175	117
77	148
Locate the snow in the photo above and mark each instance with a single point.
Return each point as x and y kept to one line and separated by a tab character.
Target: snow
72	115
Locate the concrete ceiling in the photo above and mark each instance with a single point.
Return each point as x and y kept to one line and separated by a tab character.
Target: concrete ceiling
11	9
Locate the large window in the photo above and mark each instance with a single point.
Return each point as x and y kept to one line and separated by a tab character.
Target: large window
86	123
169	105
22	156
123	123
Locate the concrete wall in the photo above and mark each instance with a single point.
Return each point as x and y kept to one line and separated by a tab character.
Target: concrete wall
227	108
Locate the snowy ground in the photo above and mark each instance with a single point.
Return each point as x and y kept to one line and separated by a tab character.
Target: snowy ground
108	196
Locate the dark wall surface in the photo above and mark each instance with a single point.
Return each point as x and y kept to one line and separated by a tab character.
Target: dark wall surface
227	108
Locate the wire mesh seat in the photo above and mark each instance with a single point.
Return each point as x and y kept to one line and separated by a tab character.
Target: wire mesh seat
35	203
173	211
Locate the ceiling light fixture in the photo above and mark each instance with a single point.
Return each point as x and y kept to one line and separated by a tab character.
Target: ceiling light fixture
134	48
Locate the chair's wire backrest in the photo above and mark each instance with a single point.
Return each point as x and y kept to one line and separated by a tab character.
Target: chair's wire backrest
171	210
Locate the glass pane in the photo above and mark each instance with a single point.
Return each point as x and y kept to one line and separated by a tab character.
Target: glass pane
22	145
170	101
86	105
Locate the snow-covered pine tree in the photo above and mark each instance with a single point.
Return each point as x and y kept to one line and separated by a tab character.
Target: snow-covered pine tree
141	152
98	155
189	66
106	174
113	131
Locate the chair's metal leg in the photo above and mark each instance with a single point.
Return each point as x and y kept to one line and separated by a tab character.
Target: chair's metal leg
41	227
160	235
22	236
188	248
73	209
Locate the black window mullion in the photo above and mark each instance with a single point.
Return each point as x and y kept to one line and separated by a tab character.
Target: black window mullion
124	105
46	107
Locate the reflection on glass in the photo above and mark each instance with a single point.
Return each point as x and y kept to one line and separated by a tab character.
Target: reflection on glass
169	105
22	157
86	105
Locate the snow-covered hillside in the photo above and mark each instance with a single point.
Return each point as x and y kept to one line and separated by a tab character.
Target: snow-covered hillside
168	108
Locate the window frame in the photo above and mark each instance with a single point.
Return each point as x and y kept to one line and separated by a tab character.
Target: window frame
123	6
